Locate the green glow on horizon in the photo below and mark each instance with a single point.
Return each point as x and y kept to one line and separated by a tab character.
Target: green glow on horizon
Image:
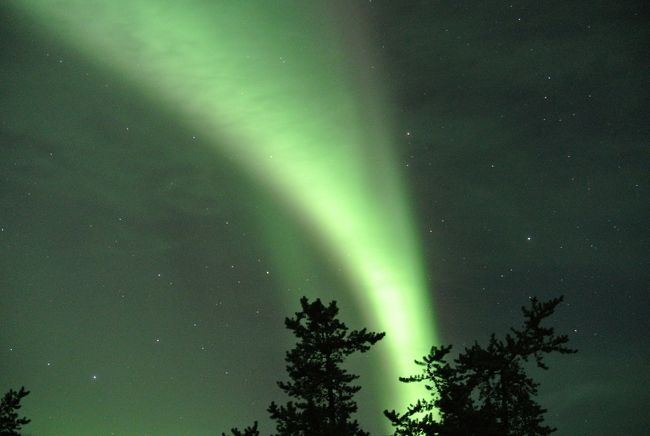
271	86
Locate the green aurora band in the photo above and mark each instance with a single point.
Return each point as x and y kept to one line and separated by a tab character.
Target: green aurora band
278	88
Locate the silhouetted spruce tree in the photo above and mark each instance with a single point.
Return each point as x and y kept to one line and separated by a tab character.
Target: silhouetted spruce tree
10	422
321	391
486	390
248	431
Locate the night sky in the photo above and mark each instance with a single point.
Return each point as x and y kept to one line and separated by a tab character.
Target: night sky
173	178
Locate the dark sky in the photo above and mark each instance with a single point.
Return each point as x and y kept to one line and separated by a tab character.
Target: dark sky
139	284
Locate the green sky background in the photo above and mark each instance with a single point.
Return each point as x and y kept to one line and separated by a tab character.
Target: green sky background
136	249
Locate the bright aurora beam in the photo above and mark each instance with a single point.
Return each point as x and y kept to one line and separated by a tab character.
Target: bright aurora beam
299	110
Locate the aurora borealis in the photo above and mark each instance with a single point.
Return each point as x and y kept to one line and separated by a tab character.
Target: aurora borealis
176	175
250	79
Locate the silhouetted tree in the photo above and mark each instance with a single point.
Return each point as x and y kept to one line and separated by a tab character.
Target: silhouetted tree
10	423
486	390
321	391
248	431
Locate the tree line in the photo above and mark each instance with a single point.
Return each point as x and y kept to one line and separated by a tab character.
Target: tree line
484	391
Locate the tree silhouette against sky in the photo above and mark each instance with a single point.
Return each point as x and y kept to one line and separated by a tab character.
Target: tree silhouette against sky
486	390
320	389
10	421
